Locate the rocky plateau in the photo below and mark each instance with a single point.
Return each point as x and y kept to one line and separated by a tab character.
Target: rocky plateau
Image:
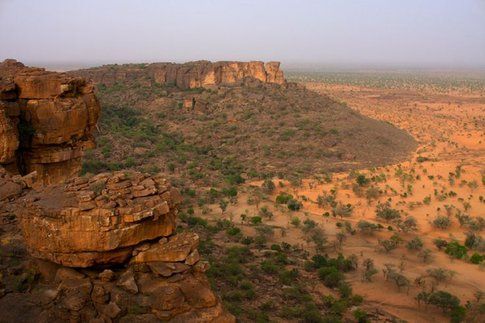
188	75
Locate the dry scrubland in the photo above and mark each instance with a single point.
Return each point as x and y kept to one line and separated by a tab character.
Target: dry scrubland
295	222
410	230
419	223
311	200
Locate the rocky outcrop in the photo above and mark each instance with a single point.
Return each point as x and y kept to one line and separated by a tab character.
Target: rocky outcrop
122	226
100	220
46	121
186	76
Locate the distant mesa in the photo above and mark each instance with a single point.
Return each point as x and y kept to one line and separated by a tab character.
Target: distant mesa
188	75
46	121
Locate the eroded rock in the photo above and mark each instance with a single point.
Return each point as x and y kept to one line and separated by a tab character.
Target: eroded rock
188	75
47	119
98	220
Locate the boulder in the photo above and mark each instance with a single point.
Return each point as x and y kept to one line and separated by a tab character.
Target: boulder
100	220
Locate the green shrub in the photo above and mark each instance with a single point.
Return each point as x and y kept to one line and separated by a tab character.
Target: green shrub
230	191
442	222
283	198
415	244
385	212
361	316
444	300
294	205
477	258
361	180
330	276
456	250
269	267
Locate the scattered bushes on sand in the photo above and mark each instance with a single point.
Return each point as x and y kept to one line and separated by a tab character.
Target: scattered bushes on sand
408	225
415	244
442	222
390	244
386	213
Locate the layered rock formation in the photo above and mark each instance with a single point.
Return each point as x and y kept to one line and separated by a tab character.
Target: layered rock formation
100	220
186	76
46	121
124	221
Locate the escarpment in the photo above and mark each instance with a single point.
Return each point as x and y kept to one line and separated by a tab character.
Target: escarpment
46	121
186	76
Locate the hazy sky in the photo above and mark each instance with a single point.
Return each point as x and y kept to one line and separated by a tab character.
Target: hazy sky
438	33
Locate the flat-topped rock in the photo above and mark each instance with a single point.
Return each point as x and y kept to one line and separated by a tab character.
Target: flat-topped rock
188	75
98	220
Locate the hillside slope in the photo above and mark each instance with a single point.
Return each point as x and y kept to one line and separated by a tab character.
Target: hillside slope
246	129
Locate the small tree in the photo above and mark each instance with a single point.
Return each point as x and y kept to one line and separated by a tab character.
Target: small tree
440	275
268	186
415	244
391	243
409	224
385	212
444	300
442	222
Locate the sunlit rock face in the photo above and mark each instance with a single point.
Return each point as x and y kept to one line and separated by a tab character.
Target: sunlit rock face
188	75
46	121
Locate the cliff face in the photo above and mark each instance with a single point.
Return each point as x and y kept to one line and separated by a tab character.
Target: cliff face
188	75
46	121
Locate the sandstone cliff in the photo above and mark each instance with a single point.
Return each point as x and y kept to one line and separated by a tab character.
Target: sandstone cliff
46	121
188	75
